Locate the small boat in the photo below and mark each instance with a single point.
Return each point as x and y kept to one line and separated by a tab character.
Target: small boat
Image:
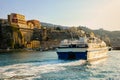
110	48
85	48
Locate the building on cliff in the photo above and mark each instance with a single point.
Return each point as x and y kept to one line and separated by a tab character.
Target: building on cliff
17	20
26	29
34	24
22	32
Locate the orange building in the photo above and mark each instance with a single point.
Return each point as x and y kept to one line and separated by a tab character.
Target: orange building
33	44
17	19
34	24
26	29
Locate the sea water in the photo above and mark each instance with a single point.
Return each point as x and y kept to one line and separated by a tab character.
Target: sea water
47	66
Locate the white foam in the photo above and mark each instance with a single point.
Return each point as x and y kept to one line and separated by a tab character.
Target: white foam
33	71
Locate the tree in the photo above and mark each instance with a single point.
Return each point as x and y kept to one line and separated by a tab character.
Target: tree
10	36
58	28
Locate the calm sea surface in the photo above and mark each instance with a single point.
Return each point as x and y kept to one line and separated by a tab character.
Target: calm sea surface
46	66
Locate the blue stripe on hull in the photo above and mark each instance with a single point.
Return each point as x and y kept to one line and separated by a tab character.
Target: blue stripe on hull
72	55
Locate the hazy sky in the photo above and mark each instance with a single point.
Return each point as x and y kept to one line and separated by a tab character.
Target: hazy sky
94	14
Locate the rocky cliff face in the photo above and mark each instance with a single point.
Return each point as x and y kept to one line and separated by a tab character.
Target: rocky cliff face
110	37
10	37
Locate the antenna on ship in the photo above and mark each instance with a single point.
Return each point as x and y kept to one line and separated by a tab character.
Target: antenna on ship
71	35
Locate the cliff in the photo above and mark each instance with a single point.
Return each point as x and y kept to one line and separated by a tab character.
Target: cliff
11	37
111	37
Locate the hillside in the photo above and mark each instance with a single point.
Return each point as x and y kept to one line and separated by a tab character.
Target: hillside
49	25
101	32
114	36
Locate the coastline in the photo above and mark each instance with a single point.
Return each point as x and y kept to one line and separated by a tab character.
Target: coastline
44	49
27	50
11	50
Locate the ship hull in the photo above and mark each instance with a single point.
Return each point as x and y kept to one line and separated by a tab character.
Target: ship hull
82	53
72	55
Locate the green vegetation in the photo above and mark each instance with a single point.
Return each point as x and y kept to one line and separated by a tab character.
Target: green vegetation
36	35
11	37
112	38
7	35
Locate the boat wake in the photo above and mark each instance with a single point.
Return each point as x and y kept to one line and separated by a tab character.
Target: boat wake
34	70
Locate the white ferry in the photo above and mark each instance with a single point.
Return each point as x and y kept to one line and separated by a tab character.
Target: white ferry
86	48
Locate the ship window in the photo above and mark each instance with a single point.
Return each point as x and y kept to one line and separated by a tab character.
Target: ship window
71	56
72	46
82	46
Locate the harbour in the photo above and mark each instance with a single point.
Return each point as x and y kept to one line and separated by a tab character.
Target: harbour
60	40
35	65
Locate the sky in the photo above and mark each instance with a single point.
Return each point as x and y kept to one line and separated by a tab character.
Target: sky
93	14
